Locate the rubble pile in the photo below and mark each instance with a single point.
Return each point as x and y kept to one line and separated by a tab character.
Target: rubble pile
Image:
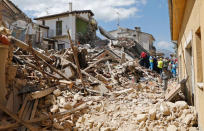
45	91
137	108
125	42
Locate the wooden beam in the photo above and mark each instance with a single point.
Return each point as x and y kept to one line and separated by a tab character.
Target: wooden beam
34	109
20	113
26	47
36	68
75	52
54	69
96	62
27	113
35	120
14	116
40	94
103	88
9	126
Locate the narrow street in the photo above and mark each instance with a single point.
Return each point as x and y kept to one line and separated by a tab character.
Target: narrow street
74	79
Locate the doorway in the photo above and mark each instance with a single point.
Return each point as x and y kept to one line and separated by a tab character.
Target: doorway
190	73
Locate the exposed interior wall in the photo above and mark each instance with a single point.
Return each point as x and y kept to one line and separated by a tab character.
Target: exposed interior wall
81	26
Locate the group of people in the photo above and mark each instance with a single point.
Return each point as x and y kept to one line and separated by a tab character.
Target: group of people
164	66
158	64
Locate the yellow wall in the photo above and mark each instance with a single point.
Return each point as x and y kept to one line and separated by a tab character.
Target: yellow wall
193	20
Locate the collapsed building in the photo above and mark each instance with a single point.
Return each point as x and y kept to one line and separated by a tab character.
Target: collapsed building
146	40
84	88
80	23
49	32
50	90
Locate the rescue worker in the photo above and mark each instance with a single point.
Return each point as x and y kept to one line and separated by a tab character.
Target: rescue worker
155	64
160	65
143	56
151	63
173	70
165	63
165	76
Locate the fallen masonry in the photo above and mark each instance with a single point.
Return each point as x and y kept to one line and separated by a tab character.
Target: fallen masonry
43	91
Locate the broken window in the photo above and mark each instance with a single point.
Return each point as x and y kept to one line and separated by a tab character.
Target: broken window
58	28
61	46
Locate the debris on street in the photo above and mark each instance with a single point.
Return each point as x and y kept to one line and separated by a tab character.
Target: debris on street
44	90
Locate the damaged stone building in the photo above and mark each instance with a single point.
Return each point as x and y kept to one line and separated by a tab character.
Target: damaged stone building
10	13
146	40
13	18
80	23
186	23
83	88
49	32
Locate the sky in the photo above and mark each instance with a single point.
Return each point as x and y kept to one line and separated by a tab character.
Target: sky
150	15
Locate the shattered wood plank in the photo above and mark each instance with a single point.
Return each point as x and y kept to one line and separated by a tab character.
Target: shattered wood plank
55	70
36	68
59	115
100	60
123	58
173	92
34	109
96	92
102	78
111	73
9	126
102	88
10	102
102	55
113	55
26	47
17	100
110	53
20	113
40	94
110	70
35	120
123	91
27	113
26	110
74	49
14	116
65	82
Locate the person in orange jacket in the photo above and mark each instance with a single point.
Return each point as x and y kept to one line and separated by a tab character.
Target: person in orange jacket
4	40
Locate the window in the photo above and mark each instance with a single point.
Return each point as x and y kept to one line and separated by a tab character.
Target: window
199	56
61	46
58	28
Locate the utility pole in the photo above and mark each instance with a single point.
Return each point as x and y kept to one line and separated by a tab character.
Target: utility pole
47	11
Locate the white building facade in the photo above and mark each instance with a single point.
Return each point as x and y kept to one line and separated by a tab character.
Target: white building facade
144	39
74	21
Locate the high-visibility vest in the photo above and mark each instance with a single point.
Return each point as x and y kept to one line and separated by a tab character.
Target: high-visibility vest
160	64
150	59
